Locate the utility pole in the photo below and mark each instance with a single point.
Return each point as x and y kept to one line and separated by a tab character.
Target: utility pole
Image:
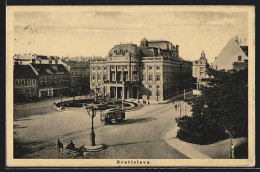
184	102
61	99
180	109
123	92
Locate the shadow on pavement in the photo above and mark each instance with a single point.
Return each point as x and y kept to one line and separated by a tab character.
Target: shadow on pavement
132	121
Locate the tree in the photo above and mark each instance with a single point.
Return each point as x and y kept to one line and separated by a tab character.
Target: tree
222	107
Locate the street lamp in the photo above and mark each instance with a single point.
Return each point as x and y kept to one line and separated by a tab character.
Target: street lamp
148	97
231	145
157	94
92	113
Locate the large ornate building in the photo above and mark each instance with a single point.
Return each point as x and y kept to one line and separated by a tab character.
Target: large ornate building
153	70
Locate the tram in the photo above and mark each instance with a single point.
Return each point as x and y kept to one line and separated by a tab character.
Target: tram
110	115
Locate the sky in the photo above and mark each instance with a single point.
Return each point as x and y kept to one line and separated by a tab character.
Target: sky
93	32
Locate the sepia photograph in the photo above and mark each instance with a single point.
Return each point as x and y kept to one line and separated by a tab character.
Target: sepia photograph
130	86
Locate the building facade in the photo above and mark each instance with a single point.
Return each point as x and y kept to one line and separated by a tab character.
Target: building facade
53	79
151	71
232	52
26	59
79	76
199	70
25	82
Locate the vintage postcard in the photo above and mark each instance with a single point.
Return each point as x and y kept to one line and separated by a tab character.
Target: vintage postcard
130	86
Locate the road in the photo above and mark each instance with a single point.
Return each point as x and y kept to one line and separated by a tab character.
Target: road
141	135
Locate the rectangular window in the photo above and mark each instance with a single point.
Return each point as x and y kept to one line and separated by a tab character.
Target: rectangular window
22	82
157	86
158	67
150	67
143	77
143	67
29	81
93	77
125	67
150	86
98	77
150	77
49	93
105	77
157	77
93	68
99	68
239	58
17	82
105	68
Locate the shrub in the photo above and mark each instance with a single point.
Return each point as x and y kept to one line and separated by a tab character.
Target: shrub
199	130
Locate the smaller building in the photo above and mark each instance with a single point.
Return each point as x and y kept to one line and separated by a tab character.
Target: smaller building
79	76
53	79
25	83
232	52
240	65
25	59
199	70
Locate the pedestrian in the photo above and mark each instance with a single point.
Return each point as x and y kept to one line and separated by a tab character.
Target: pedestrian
72	145
68	145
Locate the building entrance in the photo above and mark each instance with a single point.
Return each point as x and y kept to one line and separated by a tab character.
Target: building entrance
135	90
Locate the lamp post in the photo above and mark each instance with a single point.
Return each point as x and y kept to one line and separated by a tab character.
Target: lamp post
180	109
184	101
231	145
157	94
104	92
148	97
96	94
61	99
92	113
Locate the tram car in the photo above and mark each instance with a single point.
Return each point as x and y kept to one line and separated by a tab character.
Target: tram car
110	115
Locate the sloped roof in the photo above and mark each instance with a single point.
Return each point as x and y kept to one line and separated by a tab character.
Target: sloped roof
49	69
42	57
245	49
229	55
76	64
24	71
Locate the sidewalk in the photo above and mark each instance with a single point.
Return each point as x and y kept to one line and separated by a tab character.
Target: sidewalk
183	147
153	102
218	150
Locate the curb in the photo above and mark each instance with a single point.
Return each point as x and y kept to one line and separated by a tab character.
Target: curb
95	148
182	146
56	108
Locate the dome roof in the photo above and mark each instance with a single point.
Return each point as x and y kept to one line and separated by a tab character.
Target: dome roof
124	49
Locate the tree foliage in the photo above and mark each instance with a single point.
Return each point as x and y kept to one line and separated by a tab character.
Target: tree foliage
223	105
